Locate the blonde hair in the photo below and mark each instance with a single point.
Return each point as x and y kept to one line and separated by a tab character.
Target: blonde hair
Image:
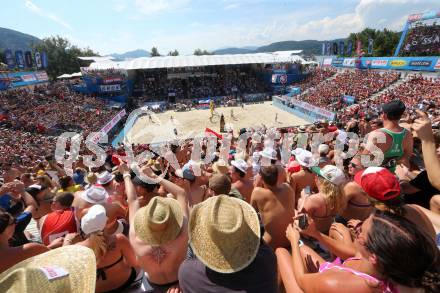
334	196
98	243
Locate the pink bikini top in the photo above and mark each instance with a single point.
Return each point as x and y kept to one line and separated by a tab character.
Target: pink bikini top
337	264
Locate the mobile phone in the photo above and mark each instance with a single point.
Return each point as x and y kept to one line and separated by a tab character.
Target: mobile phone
303	222
307	190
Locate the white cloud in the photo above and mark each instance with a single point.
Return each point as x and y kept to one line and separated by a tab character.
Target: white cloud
46	14
119	5
377	14
157	6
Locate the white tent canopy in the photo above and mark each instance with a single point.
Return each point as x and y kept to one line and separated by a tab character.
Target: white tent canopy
65	75
195	61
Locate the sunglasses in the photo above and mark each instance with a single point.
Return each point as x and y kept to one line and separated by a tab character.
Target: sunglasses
353	165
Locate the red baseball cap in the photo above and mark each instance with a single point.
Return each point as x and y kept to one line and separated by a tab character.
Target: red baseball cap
379	183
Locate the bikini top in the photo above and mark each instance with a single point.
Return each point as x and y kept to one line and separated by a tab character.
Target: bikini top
100	272
386	287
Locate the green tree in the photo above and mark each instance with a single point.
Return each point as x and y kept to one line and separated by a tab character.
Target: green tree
384	41
2	57
62	55
173	53
200	52
154	52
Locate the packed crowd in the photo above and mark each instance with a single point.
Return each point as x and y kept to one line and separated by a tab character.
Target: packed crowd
315	77
423	40
30	119
358	83
202	84
277	212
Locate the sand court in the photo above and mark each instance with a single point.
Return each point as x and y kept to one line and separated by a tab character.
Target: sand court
163	126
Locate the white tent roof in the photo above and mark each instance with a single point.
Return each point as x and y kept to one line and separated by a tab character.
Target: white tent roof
96	58
195	61
65	75
287	53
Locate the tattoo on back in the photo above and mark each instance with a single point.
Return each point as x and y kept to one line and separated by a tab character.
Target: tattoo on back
157	254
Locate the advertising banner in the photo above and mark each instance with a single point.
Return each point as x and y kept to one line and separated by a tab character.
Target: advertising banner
348	62
38	60
341	48
335	48
110	80
349	48
323	49
17	79
314	112
358	47
403	63
28	59
106	129
19	59
110	88
9	58
44	59
327	62
370	46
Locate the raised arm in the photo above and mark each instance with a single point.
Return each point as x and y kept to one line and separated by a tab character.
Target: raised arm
133	203
423	128
178	192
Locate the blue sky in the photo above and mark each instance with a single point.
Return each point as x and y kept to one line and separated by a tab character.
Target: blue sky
121	25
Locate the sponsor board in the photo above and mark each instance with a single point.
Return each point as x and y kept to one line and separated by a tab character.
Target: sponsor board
398	63
379	62
337	61
327	62
349	62
423	63
109	126
437	65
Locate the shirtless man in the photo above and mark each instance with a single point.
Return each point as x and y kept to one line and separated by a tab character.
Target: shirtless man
97	195
300	180
358	205
160	262
275	203
240	181
193	185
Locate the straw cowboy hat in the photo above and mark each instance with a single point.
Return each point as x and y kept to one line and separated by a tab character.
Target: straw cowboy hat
158	222
224	233
66	269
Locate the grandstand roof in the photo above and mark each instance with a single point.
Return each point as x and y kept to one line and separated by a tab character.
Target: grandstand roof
96	58
195	61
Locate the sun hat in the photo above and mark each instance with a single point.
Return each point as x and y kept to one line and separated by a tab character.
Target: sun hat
220	167
240	165
331	173
94	220
269	153
105	177
224	233
159	222
304	158
378	182
302	129
95	194
69	268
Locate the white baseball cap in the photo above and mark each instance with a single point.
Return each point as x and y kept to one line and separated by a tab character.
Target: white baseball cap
95	195
94	220
269	153
304	157
323	149
331	173
240	165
